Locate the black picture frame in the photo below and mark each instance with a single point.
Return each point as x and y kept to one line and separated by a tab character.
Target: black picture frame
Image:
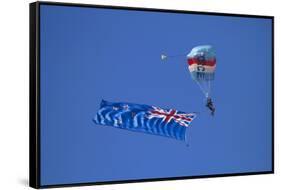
34	93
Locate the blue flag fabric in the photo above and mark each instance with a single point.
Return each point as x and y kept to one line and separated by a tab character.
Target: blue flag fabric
144	118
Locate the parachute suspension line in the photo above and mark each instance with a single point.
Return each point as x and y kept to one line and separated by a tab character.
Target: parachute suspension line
209	88
202	89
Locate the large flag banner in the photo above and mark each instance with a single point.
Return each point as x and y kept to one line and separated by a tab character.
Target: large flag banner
144	118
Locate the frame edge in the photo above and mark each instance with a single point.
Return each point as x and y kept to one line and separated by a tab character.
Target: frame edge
149	9
34	149
272	100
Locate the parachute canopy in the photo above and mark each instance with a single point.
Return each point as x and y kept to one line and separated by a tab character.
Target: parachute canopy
202	64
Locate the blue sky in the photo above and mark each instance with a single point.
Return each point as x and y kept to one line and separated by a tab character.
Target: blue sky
90	54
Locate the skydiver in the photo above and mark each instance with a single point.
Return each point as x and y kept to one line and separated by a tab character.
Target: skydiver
211	106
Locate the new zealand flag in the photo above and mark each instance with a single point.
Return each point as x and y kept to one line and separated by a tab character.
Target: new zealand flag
144	118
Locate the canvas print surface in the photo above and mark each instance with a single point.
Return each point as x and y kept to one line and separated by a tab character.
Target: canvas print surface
130	94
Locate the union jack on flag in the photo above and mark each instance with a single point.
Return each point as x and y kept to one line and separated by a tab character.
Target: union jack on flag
183	119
